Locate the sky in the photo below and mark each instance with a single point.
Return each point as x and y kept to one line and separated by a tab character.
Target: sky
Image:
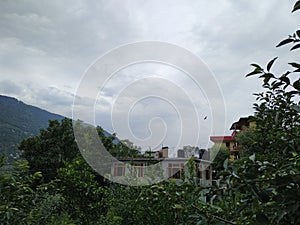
47	48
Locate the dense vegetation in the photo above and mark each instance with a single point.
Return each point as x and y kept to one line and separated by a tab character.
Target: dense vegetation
263	187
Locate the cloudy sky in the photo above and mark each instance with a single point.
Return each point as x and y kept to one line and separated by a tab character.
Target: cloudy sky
48	47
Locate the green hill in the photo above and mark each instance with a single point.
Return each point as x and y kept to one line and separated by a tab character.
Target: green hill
19	121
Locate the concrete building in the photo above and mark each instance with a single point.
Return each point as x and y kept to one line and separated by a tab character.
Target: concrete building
229	141
172	168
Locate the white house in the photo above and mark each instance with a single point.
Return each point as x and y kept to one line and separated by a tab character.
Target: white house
160	165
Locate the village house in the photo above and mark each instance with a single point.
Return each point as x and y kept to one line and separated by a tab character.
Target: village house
171	168
229	141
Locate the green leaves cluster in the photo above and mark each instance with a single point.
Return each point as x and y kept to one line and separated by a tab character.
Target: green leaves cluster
51	149
260	192
263	187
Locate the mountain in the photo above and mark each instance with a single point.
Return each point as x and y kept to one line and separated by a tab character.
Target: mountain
19	121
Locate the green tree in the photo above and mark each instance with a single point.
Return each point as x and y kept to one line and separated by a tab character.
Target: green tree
23	201
247	142
221	155
85	196
51	149
263	188
117	148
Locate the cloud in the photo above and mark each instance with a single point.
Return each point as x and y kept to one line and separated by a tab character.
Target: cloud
46	48
154	109
9	88
57	41
49	98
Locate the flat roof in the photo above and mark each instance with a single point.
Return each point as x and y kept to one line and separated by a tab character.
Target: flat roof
221	138
141	159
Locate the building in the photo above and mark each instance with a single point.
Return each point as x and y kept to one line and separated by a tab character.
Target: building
229	141
243	123
171	168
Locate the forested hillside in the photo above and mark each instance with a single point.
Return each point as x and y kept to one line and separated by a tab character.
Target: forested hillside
19	121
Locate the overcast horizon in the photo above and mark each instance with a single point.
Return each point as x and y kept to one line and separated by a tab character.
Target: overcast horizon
46	48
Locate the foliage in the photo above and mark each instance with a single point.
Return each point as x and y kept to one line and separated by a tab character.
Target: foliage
169	202
85	196
222	153
259	192
51	149
263	188
118	149
21	203
247	142
277	114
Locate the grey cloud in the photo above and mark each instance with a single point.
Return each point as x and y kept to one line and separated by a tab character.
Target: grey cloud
74	30
59	39
10	88
47	46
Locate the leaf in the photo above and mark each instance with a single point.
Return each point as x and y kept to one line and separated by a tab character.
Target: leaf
253	73
295	65
225	164
286	73
284	42
235	175
295	47
296	107
177	206
266	80
252	157
267	77
271	63
257	70
256	65
276	85
296	6
285	79
296	85
37	175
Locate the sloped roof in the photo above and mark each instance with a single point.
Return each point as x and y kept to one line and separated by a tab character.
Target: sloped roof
243	121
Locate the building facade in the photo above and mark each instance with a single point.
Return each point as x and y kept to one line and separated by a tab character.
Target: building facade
229	141
170	168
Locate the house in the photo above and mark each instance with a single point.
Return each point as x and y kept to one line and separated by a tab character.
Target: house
243	123
229	141
159	165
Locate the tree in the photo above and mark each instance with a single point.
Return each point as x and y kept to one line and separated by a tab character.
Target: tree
51	149
222	156
247	142
85	196
117	148
264	186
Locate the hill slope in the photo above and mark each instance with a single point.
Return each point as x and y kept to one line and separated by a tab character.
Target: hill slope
19	121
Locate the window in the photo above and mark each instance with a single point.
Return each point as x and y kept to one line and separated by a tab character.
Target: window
175	170
227	144
207	173
199	170
137	170
119	169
